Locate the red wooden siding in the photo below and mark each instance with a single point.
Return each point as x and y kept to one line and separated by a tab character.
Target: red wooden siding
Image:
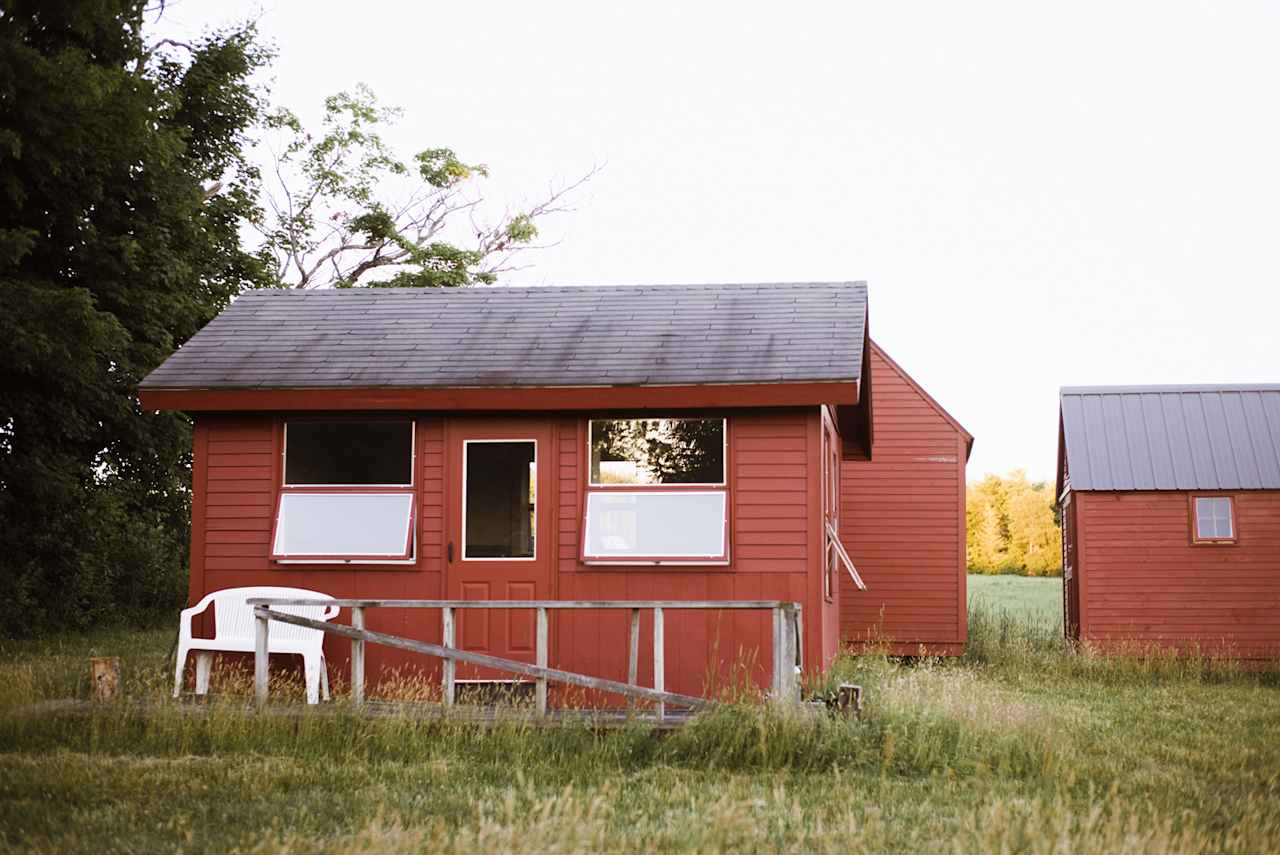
772	468
902	522
239	459
775	548
1141	578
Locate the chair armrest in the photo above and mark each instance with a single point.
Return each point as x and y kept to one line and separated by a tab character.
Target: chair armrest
185	616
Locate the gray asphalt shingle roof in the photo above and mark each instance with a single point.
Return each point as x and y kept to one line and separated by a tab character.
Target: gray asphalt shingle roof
1172	437
527	336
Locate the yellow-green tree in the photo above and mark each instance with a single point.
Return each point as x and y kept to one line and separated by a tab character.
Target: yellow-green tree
1011	526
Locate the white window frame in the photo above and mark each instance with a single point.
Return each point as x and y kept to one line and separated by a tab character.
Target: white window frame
1195	520
537	498
411	488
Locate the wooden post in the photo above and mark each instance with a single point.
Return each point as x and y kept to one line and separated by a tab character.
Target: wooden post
542	661
260	636
357	657
785	655
449	666
775	639
659	657
105	673
633	654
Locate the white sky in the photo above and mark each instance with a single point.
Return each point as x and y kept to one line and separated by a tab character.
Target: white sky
1038	194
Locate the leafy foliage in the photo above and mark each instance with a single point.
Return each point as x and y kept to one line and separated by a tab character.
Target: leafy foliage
122	188
334	218
1012	527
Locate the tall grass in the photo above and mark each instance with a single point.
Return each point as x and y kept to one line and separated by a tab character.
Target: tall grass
1023	744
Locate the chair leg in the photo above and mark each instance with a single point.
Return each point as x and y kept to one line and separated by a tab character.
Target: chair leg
312	665
178	671
204	665
324	679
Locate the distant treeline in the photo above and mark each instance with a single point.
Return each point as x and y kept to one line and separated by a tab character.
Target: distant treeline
1013	527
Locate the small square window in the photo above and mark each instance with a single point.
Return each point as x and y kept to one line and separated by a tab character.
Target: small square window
1214	520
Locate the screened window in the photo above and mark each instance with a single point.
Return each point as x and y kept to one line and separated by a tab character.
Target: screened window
500	507
1214	518
347	492
348	526
638	452
656	525
348	453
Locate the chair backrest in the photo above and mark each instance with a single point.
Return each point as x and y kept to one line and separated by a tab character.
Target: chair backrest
233	617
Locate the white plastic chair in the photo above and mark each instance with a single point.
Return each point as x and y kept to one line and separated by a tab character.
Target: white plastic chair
234	633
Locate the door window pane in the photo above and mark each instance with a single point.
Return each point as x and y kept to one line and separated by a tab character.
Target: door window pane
500	508
348	452
657	451
653	525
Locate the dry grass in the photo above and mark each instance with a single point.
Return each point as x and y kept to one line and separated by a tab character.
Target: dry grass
1021	746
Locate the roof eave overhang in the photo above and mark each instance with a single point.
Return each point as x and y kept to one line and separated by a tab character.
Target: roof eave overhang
735	395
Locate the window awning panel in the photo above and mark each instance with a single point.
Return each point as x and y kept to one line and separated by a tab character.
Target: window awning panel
344	526
655	526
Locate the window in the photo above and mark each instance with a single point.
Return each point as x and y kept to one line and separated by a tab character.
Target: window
499	499
657	451
1213	519
657	492
348	453
347	495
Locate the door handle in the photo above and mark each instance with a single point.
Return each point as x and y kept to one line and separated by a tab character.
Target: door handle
449	552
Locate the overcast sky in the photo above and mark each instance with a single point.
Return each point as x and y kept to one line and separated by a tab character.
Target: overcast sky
1038	194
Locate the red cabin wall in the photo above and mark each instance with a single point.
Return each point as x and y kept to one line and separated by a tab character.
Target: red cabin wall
1143	580
775	550
902	521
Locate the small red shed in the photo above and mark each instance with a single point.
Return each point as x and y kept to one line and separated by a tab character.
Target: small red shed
1170	502
903	521
572	443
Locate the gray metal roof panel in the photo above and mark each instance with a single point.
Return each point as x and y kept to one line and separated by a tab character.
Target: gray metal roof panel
1172	437
527	336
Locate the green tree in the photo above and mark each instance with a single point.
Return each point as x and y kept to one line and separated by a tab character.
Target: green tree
123	184
342	209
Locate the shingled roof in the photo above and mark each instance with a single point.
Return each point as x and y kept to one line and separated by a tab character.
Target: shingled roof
501	336
1172	437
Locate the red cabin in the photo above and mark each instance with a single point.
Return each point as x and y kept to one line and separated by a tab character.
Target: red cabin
1170	501
551	443
902	518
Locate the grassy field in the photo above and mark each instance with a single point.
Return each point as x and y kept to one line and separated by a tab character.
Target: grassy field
1038	598
1021	746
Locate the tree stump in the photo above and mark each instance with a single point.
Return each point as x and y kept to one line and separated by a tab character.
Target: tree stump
104	672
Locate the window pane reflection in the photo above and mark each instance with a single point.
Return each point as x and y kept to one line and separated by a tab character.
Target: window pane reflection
501	502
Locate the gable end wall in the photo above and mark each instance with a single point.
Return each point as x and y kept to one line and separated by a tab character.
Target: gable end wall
902	522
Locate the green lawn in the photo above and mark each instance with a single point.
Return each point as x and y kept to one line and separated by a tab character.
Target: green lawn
1036	598
1020	746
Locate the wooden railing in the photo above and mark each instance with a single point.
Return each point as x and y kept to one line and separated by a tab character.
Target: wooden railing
786	644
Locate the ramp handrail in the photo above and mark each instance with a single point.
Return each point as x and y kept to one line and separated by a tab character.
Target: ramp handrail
786	628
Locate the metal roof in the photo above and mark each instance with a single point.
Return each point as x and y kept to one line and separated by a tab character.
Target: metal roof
502	336
1172	437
